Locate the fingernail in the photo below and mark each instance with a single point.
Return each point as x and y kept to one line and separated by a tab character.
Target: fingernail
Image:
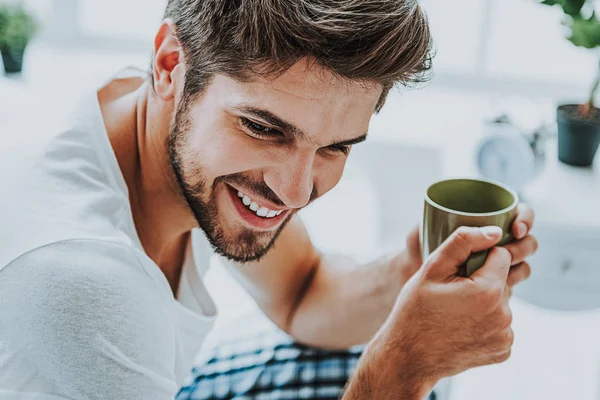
522	229
491	231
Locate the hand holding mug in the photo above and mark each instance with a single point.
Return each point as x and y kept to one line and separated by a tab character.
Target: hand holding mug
453	203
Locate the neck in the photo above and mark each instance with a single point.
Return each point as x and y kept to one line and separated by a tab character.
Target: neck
138	126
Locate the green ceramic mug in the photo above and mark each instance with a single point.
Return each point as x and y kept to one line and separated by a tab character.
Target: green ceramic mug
452	203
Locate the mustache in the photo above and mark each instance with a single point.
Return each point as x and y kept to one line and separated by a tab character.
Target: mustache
258	187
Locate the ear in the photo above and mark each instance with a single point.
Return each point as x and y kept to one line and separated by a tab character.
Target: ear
168	68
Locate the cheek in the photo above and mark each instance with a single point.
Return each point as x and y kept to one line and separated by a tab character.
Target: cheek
219	149
328	173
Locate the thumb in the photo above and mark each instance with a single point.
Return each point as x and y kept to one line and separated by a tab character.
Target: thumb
496	267
455	250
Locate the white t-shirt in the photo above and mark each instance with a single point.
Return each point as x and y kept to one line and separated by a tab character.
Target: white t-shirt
84	312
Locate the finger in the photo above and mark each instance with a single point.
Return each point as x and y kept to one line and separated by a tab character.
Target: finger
504	340
521	249
499	359
458	247
507	293
495	270
524	221
518	274
413	245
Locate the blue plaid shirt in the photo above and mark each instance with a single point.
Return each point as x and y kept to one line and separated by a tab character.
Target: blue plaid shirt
270	366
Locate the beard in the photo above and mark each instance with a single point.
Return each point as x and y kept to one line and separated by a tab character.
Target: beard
243	245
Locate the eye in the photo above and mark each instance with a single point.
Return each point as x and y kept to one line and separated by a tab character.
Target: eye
338	149
260	130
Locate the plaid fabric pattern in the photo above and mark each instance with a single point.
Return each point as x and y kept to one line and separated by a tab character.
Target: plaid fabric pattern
270	366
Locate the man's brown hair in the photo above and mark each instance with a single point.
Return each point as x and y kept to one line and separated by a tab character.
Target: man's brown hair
373	41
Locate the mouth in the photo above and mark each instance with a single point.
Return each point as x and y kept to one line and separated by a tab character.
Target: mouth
254	213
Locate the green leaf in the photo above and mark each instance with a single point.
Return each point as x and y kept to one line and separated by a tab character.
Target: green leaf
572	7
585	32
16	27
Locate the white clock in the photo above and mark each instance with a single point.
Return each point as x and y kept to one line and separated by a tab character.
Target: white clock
507	155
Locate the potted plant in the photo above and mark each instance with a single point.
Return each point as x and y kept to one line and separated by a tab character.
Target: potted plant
579	124
17	27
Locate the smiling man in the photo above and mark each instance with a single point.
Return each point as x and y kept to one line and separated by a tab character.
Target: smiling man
109	216
265	157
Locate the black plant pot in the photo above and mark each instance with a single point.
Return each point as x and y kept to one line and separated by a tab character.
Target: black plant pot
578	136
13	59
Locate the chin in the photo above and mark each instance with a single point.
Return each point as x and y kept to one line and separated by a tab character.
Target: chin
236	236
242	245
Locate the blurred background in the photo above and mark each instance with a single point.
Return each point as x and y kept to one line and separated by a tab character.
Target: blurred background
501	70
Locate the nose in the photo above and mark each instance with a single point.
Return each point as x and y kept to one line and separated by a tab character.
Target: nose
292	179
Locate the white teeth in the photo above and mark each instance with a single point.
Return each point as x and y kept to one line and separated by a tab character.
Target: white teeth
259	210
271	214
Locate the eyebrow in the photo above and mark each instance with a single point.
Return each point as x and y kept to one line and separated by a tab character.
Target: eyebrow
350	142
283	125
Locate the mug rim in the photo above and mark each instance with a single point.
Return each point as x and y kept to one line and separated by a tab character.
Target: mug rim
513	205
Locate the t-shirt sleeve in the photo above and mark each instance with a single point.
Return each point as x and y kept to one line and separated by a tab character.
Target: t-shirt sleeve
87	321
